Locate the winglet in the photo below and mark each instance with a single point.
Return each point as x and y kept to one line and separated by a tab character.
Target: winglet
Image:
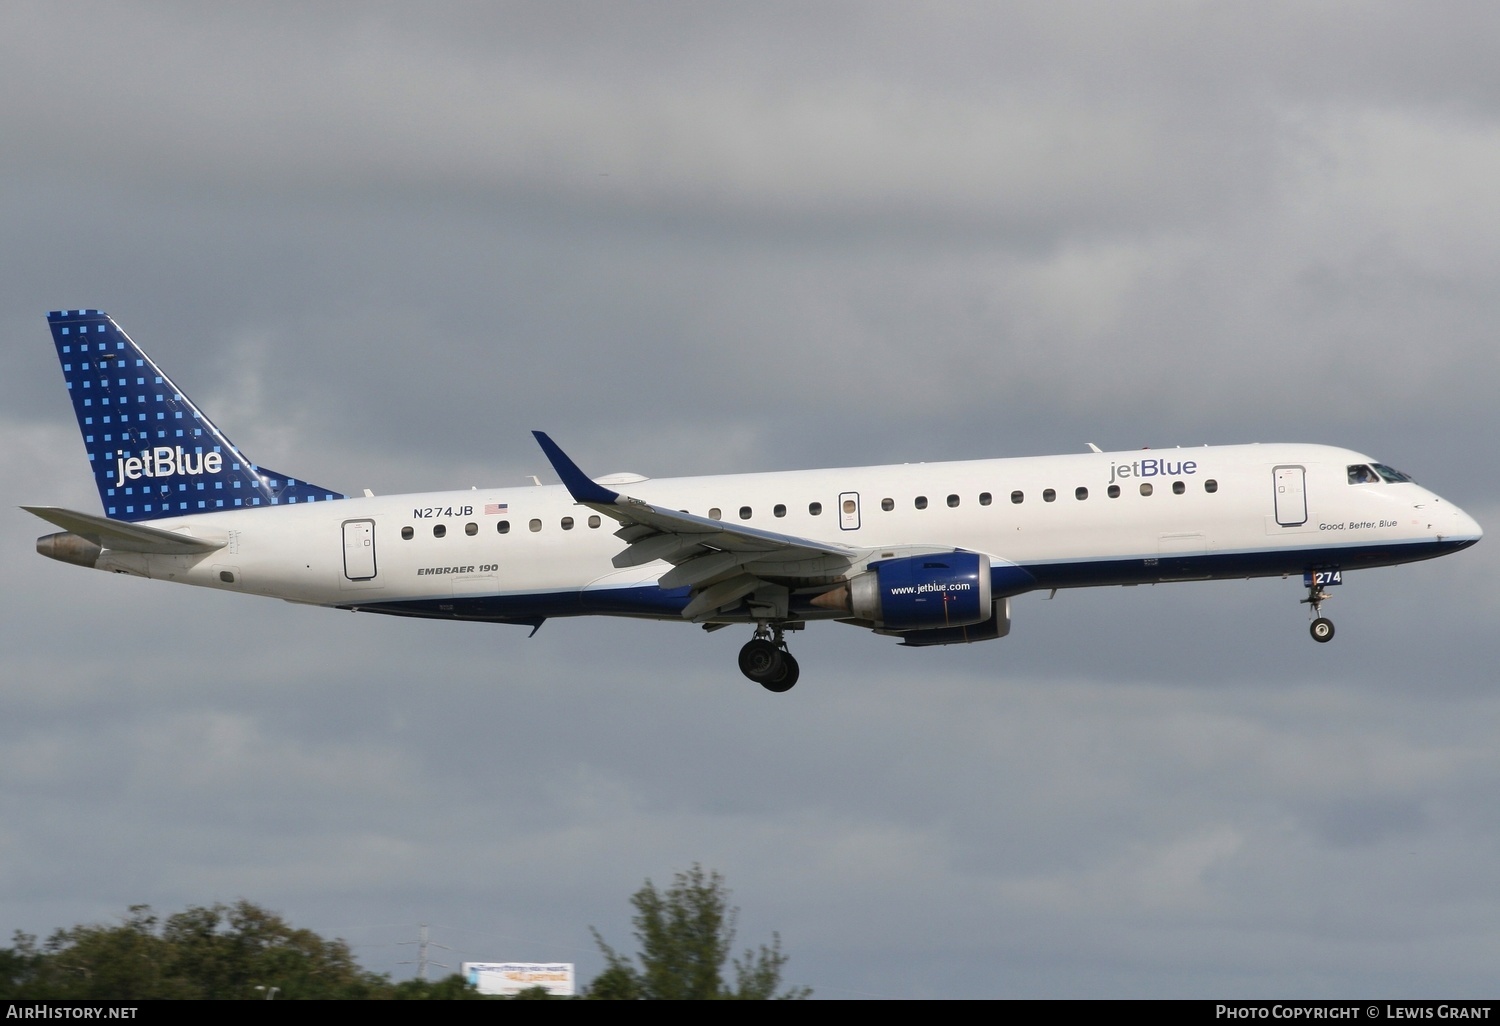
578	483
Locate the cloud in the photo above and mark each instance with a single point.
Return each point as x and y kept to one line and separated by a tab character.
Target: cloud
380	246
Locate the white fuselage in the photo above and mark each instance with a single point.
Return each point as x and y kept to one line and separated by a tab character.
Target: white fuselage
520	553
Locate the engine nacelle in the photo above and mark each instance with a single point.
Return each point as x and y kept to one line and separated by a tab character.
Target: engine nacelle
912	593
997	626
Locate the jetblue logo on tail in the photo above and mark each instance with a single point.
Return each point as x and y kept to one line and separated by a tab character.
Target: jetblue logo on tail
164	462
154	453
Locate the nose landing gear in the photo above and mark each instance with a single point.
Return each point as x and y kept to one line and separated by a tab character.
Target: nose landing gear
1321	628
765	660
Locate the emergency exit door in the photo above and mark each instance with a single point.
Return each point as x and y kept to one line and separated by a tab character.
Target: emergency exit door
1291	496
359	550
849	511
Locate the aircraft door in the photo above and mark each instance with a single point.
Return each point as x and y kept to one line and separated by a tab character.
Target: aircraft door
1291	496
849	511
359	550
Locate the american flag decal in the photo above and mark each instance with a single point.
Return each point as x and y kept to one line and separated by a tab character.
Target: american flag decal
494	509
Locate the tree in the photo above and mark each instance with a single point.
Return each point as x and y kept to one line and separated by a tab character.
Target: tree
686	934
215	951
452	987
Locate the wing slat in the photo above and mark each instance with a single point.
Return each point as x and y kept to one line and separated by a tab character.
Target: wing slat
717	596
671	547
701	569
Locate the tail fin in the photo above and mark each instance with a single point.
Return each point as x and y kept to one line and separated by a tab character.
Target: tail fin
154	453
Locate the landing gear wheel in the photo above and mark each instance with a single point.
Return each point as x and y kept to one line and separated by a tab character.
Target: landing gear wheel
763	662
790	671
1322	627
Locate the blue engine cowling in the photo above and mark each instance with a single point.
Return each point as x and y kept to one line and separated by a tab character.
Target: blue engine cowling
997	626
945	589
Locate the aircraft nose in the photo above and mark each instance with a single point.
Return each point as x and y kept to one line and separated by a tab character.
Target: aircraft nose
1467	527
1452	524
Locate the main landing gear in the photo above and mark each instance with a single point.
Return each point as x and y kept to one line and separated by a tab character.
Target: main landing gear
1322	627
765	660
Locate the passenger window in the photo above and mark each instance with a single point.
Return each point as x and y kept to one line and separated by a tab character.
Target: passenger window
952	501
887	504
471	529
744	512
503	527
779	510
439	531
985	498
715	514
1049	495
406	533
594	520
1080	494
1114	491
1018	497
921	502
849	506
1145	487
535	525
567	523
1178	487
815	508
1210	486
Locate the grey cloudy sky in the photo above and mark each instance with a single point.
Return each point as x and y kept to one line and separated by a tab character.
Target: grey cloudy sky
379	244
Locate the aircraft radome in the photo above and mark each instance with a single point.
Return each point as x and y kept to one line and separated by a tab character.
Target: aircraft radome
929	553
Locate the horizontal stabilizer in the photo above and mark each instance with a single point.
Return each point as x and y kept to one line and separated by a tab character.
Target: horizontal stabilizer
125	537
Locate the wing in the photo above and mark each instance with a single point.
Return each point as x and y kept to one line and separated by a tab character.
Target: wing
721	563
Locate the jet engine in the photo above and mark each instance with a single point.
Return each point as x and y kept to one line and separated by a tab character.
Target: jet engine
997	626
913	593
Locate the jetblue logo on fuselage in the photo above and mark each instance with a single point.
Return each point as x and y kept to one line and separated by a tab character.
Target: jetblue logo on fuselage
1152	467
165	462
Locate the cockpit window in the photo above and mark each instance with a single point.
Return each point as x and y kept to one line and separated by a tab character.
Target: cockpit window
1360	473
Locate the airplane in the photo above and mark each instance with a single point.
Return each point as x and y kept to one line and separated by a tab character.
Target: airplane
929	553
